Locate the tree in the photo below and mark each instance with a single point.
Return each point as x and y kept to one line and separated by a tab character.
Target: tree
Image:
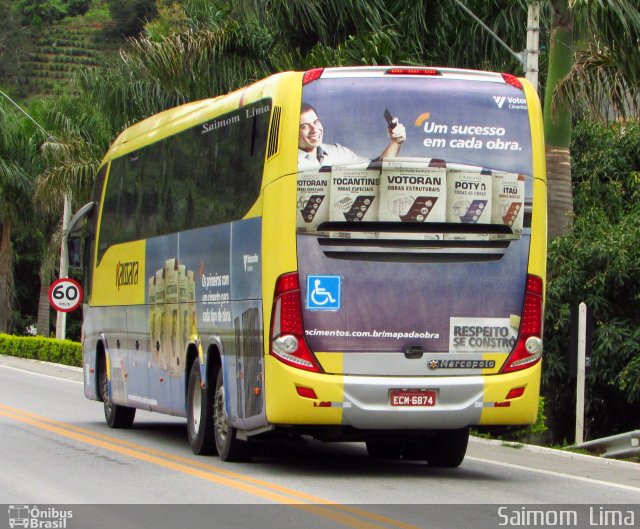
598	262
600	79
13	47
131	15
557	122
36	12
71	156
605	76
15	188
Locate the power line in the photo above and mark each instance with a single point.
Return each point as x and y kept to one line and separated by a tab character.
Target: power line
518	56
40	127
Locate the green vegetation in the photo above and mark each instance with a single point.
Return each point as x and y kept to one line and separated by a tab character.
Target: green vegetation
598	263
517	446
44	43
38	12
61	53
46	349
532	434
131	15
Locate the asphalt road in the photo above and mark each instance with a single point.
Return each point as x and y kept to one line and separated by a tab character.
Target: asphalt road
56	450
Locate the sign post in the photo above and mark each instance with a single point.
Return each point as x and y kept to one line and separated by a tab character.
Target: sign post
65	294
581	374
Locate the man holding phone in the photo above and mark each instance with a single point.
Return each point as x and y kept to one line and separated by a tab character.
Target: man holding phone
313	154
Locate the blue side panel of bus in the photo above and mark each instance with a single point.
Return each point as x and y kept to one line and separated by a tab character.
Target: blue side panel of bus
223	263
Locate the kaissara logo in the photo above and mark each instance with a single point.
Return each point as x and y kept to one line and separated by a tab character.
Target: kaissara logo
127	273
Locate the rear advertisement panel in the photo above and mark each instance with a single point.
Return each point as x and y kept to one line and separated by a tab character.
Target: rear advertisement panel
440	173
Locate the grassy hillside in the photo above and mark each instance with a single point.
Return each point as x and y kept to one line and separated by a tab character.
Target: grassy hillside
60	50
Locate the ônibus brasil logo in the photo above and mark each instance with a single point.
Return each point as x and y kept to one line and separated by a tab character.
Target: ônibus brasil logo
38	518
127	273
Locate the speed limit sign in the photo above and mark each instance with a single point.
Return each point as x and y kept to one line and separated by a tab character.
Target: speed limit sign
65	294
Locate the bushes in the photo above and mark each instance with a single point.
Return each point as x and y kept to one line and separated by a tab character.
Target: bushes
598	263
37	12
129	16
38	348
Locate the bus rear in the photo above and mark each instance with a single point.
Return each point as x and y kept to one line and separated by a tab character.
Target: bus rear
416	307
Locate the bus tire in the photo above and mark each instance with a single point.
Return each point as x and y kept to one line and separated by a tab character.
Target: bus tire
229	447
447	449
384	448
200	413
415	448
117	416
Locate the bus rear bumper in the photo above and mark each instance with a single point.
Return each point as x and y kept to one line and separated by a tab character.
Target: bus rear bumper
459	401
364	402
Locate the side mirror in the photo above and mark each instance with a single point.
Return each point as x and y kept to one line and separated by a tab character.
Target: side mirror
75	235
74	249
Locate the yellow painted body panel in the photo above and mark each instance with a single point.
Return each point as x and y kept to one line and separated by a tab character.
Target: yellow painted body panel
285	406
279	197
538	254
113	284
284	89
498	358
331	362
522	410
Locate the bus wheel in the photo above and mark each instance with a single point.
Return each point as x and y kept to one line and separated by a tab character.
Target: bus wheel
415	448
384	448
200	413
116	416
447	449
230	448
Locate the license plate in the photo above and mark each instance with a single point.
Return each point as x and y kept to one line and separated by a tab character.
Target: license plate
412	397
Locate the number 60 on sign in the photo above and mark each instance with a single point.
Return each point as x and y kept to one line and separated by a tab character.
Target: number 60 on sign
65	294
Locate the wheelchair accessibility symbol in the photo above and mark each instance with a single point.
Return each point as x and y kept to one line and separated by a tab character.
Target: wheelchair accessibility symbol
323	292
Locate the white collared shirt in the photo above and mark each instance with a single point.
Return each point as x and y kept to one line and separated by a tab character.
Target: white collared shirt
327	155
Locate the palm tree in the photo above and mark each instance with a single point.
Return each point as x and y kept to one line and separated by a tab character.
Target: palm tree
227	47
605	75
557	122
70	158
593	59
600	80
15	189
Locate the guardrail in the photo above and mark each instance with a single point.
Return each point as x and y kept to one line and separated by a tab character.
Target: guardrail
616	446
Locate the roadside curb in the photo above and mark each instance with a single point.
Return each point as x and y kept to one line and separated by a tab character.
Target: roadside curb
554	451
44	362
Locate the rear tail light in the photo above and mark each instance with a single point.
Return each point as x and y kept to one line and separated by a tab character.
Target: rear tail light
287	339
412	71
512	80
528	348
312	75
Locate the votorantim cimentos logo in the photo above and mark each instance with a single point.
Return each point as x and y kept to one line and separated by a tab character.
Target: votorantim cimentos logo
38	517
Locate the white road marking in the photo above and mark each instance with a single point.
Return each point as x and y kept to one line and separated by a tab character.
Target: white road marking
555	474
42	374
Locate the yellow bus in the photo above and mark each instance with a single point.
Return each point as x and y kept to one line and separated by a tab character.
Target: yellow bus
352	254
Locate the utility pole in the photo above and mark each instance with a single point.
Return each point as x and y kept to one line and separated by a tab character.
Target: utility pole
529	57
533	44
61	318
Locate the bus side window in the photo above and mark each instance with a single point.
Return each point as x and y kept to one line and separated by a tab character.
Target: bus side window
203	176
